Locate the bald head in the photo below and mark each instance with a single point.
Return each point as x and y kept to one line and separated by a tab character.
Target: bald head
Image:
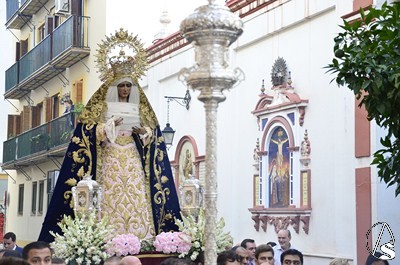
284	238
130	260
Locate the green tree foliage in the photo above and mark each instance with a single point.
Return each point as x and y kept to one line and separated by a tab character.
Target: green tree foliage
367	60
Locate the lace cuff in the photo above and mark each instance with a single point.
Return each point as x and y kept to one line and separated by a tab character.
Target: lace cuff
111	130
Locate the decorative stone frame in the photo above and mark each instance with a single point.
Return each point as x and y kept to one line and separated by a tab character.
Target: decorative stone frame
198	159
286	109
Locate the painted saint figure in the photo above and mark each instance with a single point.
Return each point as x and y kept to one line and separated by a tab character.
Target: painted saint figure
279	156
188	166
279	170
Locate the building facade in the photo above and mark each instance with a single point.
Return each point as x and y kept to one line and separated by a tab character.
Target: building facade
294	150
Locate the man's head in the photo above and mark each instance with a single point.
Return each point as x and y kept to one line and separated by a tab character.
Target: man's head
272	244
292	257
243	255
284	238
130	260
10	253
228	257
114	260
37	253
12	261
264	254
250	245
9	240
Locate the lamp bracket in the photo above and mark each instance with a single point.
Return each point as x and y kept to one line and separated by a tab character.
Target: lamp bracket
183	101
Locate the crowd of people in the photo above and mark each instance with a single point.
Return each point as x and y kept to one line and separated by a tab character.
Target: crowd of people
246	253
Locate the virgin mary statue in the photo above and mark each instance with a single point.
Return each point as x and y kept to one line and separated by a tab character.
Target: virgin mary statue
119	143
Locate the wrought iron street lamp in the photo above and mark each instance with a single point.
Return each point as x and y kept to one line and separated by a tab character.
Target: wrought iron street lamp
168	132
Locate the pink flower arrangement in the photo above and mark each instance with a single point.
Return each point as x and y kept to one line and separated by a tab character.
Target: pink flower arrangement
124	245
172	242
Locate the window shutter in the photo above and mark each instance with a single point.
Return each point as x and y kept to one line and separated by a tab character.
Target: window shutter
49	109
18	125
79	91
21	123
17	51
35	116
56	106
23	47
10	126
26	118
49	24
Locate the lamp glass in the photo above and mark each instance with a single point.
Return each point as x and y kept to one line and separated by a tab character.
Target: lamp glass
168	134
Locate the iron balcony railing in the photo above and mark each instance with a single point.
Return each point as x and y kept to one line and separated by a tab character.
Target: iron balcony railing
72	33
42	138
12	8
12	76
35	58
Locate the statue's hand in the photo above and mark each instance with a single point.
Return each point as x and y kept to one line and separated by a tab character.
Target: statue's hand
139	130
118	120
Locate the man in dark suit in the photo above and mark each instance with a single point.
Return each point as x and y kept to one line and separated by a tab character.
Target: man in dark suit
9	242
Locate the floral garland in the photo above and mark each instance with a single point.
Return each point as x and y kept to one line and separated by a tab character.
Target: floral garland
84	240
90	240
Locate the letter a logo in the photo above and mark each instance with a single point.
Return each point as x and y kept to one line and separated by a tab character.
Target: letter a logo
386	249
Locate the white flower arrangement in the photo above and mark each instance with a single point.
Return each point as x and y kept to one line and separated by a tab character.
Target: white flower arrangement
84	240
195	229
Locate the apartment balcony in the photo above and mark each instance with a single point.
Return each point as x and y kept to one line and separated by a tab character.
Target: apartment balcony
19	12
64	47
39	144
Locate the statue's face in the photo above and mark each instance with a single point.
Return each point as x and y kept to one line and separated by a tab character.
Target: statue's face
124	90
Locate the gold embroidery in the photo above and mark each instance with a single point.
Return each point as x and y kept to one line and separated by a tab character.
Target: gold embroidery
124	140
79	157
124	188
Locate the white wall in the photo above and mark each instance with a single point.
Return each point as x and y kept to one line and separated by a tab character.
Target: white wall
298	37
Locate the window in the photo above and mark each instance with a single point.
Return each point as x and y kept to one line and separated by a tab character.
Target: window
78	91
14	126
41	32
37	112
41	196
23	47
52	177
56	105
21	199
34	197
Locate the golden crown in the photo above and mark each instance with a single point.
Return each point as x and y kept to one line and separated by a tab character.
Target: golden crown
130	60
